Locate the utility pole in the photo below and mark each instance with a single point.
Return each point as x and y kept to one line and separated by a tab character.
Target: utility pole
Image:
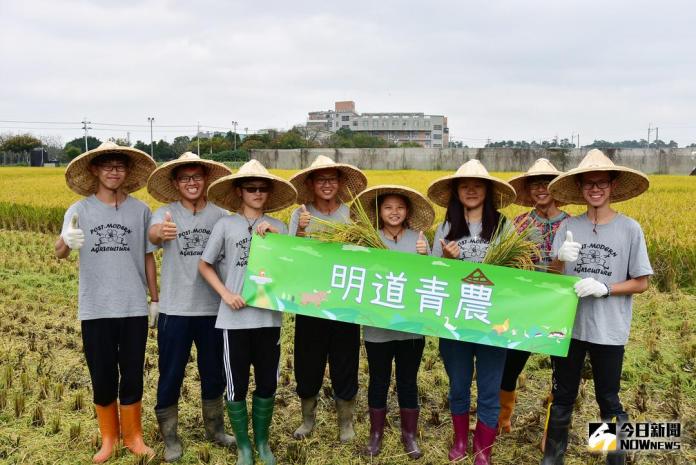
657	136
234	134
85	128
151	119
649	131
198	138
128	138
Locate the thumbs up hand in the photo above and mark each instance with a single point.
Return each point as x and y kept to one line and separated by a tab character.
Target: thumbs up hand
305	216
569	250
450	249
73	236
421	244
167	230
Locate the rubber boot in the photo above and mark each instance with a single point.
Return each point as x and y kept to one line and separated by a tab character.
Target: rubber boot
460	425
168	420
309	417
261	416
484	437
618	457
547	404
214	422
237	412
507	406
344	412
377	419
107	417
557	425
409	432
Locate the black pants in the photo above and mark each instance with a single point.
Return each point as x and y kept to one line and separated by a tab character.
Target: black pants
175	336
115	346
317	340
407	356
244	348
514	364
606	363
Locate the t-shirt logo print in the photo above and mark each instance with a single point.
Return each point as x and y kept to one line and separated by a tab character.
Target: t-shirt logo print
475	249
594	257
111	237
195	242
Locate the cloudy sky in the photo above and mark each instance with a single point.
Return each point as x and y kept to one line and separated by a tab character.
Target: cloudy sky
498	69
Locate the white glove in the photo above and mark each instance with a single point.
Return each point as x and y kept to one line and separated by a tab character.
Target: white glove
590	286
154	314
73	235
569	250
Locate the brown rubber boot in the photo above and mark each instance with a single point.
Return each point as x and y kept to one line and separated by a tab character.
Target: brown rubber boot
107	417
344	411
309	417
507	406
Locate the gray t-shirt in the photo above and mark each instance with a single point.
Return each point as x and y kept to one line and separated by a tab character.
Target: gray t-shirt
228	249
340	215
615	253
112	260
407	243
473	247
183	290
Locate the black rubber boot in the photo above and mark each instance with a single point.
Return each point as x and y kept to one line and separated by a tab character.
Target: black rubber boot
558	424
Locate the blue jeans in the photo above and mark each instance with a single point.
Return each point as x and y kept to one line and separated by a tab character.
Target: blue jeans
175	335
459	358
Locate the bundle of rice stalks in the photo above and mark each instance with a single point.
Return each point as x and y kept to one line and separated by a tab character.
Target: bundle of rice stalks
360	231
513	248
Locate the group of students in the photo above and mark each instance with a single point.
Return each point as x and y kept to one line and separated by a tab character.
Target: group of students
205	230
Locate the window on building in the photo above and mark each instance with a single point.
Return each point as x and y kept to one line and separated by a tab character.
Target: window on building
427	135
345	126
345	118
437	136
437	127
437	145
355	123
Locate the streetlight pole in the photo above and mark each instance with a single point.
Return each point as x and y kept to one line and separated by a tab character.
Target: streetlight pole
151	119
85	128
234	134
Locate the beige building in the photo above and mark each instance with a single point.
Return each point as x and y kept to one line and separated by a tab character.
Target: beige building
427	130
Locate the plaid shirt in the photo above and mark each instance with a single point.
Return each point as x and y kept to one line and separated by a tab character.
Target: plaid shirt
545	230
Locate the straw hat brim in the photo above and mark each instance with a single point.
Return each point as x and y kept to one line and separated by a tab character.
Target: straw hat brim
160	185
421	214
439	191
223	194
519	184
353	182
81	180
629	183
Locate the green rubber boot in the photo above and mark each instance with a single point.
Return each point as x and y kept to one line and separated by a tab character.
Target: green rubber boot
261	416
237	411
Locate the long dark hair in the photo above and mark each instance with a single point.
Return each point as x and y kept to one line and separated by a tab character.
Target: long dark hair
455	214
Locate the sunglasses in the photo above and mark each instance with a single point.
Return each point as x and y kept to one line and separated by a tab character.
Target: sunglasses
255	189
586	186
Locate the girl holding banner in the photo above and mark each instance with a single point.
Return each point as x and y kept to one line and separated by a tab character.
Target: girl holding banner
472	198
545	219
401	214
251	335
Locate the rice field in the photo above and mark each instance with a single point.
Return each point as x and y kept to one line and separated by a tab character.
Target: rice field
46	413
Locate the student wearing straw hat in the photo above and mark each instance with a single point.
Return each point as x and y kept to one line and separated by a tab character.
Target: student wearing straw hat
401	215
108	228
251	336
188	305
607	250
472	198
322	189
545	218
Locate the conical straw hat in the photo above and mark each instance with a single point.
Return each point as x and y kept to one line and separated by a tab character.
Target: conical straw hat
353	179
223	194
160	184
420	215
541	167
81	180
629	182
440	190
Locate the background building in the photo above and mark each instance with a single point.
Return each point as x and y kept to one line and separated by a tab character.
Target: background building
426	130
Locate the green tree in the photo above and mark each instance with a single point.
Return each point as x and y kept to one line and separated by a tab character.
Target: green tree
71	152
164	151
181	144
20	143
79	142
290	140
140	145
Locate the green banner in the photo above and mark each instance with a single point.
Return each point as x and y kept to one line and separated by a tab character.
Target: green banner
455	299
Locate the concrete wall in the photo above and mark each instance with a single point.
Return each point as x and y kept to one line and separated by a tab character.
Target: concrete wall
650	161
